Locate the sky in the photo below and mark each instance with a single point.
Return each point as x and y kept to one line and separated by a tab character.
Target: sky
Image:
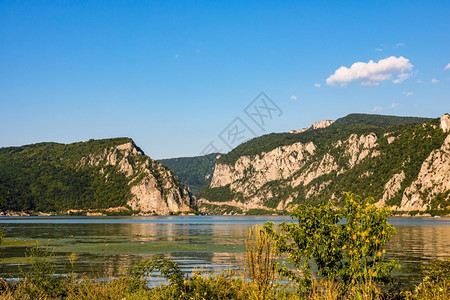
179	76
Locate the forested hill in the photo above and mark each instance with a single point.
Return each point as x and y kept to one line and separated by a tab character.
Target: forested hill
194	172
341	128
53	177
400	161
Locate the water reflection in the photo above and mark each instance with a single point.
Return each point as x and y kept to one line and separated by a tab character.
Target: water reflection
108	245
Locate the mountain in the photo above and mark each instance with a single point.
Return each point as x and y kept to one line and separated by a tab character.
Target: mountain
194	172
98	174
400	161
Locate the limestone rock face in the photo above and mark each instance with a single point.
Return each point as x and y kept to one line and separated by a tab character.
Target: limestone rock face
250	173
392	187
297	164
153	187
433	179
317	125
358	147
445	123
384	166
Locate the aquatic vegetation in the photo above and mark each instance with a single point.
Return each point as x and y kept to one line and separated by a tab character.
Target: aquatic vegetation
348	255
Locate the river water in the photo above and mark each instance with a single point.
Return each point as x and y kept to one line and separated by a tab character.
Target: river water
105	246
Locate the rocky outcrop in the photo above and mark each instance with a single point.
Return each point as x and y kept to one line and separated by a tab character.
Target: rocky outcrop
433	179
383	163
253	177
358	147
153	187
317	125
326	165
249	174
392	187
445	123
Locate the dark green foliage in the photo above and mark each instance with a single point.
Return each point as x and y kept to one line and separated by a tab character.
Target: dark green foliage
194	172
339	130
49	177
43	280
378	120
182	287
219	194
259	211
413	143
159	263
346	244
222	209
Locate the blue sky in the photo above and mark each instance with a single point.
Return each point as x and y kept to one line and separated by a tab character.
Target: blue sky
173	74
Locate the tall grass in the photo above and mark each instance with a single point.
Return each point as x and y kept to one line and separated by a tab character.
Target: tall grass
260	261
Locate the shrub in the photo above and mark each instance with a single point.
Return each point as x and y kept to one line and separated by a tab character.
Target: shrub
345	244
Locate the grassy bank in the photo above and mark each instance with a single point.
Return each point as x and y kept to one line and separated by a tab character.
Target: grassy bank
251	284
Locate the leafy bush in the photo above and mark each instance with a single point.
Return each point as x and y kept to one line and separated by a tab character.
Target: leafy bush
345	244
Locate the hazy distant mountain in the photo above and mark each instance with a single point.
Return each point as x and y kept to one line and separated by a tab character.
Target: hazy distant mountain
194	172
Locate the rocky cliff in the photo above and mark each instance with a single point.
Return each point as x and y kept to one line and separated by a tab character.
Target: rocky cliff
90	175
154	188
404	162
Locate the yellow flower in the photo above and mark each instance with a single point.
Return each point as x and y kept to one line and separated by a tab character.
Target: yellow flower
343	247
354	236
384	251
379	253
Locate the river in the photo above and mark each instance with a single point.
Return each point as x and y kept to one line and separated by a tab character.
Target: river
104	246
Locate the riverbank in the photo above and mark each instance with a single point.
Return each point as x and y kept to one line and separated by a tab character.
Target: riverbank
119	211
42	284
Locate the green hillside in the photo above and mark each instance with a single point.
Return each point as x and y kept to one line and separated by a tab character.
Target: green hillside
342	128
51	177
194	172
413	139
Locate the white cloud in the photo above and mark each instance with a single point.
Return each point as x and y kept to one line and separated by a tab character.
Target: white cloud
372	73
398	45
434	80
407	94
447	67
393	105
419	81
317	85
176	56
377	109
379	50
293	97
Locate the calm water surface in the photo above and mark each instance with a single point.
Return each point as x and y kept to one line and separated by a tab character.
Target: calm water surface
106	245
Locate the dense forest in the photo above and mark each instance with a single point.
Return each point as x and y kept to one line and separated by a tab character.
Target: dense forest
194	172
49	177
